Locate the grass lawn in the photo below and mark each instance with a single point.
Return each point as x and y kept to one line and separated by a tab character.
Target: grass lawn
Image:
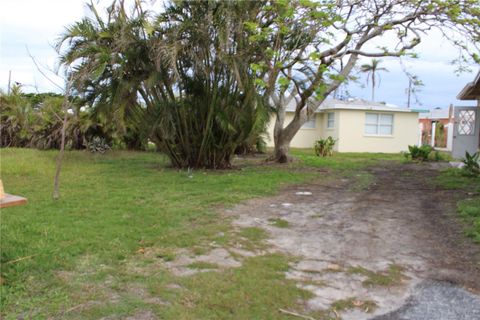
469	208
82	256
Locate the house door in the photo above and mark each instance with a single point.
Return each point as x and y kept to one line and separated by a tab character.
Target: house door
466	131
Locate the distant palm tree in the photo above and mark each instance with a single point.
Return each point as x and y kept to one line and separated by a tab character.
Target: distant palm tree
371	70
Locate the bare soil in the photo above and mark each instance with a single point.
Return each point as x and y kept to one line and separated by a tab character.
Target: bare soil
347	242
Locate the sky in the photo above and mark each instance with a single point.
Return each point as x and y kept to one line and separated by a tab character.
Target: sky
36	24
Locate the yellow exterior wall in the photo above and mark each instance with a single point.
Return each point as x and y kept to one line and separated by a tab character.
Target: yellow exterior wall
353	139
349	130
306	137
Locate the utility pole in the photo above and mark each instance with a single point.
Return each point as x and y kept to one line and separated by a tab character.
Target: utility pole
409	91
9	80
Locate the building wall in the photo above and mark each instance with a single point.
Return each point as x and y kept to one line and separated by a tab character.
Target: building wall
305	137
353	138
349	131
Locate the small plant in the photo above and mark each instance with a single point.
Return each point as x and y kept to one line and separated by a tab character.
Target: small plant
324	147
98	145
472	163
419	153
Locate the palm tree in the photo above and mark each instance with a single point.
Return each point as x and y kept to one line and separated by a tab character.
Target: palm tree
182	77
371	70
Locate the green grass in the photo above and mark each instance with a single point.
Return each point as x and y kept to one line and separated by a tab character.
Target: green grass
344	161
469	210
279	223
88	245
392	276
469	207
110	207
202	265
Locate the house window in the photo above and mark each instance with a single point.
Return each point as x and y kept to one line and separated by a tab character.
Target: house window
310	124
466	123
379	124
330	120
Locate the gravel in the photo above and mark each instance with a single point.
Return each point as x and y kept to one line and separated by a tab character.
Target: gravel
434	300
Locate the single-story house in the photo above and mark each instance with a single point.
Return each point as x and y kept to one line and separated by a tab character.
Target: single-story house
436	127
466	135
357	125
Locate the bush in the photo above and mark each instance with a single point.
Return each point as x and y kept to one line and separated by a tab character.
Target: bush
324	147
472	165
419	153
98	145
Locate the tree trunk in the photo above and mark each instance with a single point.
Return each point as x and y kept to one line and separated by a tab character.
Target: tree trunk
373	86
280	152
283	136
56	179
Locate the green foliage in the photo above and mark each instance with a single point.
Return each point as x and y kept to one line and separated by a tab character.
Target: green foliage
417	153
472	163
36	120
196	99
324	147
98	145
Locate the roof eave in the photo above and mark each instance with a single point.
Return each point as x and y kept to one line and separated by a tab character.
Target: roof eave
471	91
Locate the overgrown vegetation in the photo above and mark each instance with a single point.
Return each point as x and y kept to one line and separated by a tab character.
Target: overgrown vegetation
35	121
324	147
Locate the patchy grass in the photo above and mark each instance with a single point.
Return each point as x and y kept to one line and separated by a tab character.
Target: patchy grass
392	276
202	265
111	206
166	254
79	252
469	207
352	303
279	223
469	210
456	179
253	234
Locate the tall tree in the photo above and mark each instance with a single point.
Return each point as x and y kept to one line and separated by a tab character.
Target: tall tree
182	76
311	47
371	70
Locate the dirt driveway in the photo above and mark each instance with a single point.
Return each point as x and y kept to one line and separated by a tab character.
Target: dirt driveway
363	253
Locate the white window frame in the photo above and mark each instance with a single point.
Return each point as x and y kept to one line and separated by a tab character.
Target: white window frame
311	123
330	122
378	124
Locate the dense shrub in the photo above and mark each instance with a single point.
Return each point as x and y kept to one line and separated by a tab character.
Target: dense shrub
35	121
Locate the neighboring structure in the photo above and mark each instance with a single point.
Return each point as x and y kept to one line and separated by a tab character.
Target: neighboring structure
467	121
436	127
357	125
